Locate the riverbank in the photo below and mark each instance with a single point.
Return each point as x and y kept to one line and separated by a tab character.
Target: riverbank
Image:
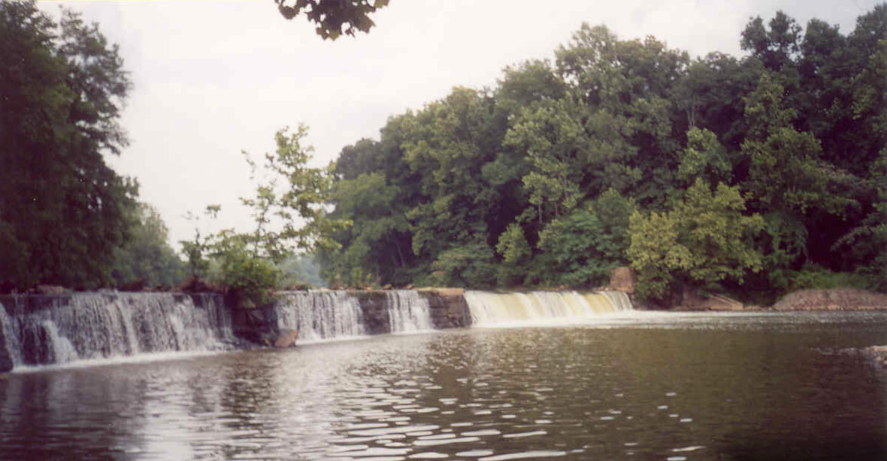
841	299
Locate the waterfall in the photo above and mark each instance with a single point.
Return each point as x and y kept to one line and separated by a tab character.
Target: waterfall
61	329
619	300
489	308
407	311
320	314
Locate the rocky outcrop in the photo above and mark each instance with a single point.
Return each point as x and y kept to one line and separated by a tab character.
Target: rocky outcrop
255	324
844	299
286	338
622	279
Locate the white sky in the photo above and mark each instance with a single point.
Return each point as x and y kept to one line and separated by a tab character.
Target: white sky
214	77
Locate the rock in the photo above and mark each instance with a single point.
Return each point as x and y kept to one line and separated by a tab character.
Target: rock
832	300
286	338
623	279
387	287
49	290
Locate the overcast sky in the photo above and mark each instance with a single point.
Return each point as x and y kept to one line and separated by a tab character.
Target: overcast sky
214	77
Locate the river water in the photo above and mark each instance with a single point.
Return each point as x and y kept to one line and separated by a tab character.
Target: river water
638	386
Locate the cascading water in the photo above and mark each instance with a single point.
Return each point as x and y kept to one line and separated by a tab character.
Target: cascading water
488	309
619	300
63	329
407	311
319	314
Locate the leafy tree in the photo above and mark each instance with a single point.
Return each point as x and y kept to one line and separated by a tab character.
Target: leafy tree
777	47
580	248
705	241
333	17
287	218
787	180
196	251
146	258
516	255
704	158
471	265
300	206
63	210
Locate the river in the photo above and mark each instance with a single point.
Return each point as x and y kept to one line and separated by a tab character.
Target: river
638	386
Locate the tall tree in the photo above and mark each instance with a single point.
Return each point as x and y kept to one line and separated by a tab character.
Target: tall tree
62	208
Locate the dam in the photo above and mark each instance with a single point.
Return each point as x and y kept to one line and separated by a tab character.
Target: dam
38	330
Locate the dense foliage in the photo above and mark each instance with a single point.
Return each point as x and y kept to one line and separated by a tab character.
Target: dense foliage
62	209
66	218
752	175
146	260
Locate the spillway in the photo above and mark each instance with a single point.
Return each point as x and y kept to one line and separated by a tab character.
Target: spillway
408	312
84	326
321	314
491	309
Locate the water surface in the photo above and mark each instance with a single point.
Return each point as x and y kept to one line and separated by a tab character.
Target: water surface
638	387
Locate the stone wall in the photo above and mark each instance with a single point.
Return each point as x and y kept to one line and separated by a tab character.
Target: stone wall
374	306
448	308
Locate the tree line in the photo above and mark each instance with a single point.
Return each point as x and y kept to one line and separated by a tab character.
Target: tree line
749	175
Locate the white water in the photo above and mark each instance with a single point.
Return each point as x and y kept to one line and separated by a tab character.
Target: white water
500	309
91	326
407	311
320	315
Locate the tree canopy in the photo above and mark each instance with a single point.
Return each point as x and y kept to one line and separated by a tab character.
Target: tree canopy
734	174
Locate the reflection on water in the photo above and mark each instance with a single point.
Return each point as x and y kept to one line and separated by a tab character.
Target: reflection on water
687	387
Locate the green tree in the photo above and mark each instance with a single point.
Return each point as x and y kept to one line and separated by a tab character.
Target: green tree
196	251
333	17
146	258
787	181
704	158
63	210
516	255
288	214
706	241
